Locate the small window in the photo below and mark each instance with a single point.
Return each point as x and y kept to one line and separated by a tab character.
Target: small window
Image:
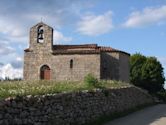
71	64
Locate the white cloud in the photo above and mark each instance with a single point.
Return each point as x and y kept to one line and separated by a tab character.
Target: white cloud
19	59
8	71
146	17
12	28
17	62
60	38
95	25
12	31
5	50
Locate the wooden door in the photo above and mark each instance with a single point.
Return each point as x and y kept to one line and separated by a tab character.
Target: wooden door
45	73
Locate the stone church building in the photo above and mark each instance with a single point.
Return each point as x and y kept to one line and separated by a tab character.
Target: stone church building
43	60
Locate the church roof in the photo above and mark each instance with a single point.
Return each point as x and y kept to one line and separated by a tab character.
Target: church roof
83	49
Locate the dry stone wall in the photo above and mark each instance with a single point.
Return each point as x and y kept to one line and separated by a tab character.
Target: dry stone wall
76	108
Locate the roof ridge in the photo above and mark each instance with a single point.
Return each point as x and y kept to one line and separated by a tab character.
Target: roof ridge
106	48
75	44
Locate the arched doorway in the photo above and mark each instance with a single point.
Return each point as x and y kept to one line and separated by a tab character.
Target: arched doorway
45	72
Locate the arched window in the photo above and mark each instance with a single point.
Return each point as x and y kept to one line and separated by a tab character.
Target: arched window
71	63
45	72
40	37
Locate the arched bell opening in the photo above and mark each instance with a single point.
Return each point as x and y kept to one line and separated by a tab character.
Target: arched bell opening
40	37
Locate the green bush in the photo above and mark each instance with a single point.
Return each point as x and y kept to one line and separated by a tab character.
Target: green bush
91	81
147	73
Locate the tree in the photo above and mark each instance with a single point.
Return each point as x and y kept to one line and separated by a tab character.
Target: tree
147	73
136	63
153	75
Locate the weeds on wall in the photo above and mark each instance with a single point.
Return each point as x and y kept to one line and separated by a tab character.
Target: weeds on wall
91	81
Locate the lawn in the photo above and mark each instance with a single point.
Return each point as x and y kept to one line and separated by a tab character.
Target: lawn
22	88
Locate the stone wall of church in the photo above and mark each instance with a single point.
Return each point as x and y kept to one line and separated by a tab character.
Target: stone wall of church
115	66
60	65
33	61
82	65
110	65
124	68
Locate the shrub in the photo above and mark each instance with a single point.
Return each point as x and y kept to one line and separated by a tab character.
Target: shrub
91	81
147	73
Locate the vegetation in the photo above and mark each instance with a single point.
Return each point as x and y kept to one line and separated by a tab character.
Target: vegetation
147	73
91	81
21	88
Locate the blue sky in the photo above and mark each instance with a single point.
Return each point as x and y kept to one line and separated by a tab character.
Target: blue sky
130	25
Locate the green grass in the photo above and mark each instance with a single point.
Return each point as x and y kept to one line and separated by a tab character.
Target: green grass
22	88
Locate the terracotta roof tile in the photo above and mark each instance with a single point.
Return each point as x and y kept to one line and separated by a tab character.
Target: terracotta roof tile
81	49
103	48
73	49
74	46
56	52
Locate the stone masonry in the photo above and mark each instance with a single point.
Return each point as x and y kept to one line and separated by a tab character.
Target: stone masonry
43	60
75	108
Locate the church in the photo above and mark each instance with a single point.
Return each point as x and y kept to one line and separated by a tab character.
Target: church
45	61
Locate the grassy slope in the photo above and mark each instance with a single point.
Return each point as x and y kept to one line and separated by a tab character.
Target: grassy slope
21	88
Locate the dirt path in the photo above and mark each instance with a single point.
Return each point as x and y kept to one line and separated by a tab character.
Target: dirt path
155	115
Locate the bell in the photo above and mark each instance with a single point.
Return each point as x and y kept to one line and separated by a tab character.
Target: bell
40	36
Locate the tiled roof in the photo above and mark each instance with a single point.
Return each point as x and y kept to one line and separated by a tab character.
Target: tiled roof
76	52
74	46
81	49
108	49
